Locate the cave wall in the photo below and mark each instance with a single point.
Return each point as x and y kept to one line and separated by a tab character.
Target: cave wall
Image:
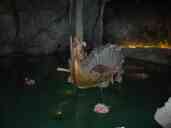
137	20
41	26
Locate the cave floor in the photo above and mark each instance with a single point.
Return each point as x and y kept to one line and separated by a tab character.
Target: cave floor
53	103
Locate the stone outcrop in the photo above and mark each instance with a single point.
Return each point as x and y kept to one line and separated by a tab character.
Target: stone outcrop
42	26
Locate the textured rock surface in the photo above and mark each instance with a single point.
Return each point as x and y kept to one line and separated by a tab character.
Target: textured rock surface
137	21
41	26
7	33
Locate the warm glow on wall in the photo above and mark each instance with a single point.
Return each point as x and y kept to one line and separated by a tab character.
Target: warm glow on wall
133	44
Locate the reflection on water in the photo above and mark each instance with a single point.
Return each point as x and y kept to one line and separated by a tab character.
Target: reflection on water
132	104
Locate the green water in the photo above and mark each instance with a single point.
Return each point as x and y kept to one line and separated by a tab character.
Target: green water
53	103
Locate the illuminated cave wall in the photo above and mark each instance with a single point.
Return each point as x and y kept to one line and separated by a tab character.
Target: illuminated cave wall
137	20
41	26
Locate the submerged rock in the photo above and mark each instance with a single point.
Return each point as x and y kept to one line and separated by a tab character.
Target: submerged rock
163	115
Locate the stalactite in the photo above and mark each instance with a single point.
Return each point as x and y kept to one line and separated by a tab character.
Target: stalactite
98	27
79	20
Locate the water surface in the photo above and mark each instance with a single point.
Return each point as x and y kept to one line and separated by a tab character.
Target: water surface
54	103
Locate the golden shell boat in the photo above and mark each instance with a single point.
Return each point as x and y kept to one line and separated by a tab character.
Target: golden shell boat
102	66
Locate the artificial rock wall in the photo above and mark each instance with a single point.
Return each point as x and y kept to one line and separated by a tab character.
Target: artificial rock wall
41	26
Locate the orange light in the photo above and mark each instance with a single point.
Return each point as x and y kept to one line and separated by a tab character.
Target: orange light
131	44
